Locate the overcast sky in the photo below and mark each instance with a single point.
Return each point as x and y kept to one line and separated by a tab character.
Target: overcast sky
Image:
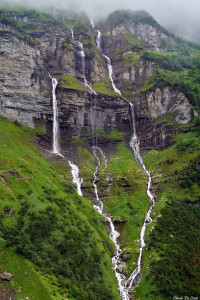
181	15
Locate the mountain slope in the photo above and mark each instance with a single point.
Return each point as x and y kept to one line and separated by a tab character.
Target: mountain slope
44	220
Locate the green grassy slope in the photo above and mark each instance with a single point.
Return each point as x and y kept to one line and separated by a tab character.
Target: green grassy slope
121	187
45	221
171	257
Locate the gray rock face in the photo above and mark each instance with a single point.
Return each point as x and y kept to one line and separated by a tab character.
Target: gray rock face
150	34
134	77
143	32
81	114
153	105
24	90
162	102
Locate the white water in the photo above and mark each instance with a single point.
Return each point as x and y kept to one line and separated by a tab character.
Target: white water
76	179
114	235
82	55
72	32
110	69
134	143
91	21
56	132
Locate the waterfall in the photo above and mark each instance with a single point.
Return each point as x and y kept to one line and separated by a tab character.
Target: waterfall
98	39
114	235
56	132
92	23
110	69
56	147
134	143
72	33
76	179
82	55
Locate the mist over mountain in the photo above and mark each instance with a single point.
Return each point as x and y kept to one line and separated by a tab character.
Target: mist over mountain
180	17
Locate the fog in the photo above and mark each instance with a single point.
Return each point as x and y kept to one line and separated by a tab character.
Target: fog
180	16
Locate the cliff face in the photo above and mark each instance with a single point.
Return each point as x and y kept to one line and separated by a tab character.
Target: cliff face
26	88
82	114
25	93
143	32
158	104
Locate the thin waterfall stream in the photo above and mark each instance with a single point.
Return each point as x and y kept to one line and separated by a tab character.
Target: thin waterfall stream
134	143
56	136
110	69
82	55
114	235
56	132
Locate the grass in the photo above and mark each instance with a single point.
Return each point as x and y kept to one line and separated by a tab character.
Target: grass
27	281
125	198
136	44
176	177
102	87
122	188
113	135
45	221
131	60
70	82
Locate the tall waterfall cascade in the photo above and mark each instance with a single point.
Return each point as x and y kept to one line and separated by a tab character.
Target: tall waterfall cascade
109	65
114	235
134	143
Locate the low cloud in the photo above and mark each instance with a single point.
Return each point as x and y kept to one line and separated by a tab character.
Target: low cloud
180	16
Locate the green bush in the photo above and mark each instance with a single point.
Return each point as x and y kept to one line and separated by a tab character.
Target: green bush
174	62
176	239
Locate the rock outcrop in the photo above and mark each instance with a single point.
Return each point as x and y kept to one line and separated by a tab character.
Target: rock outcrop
6	276
158	104
25	90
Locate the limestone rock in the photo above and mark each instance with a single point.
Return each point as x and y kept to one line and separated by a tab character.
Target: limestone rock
6	276
162	102
150	34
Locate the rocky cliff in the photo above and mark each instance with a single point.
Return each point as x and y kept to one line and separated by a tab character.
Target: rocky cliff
26	86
